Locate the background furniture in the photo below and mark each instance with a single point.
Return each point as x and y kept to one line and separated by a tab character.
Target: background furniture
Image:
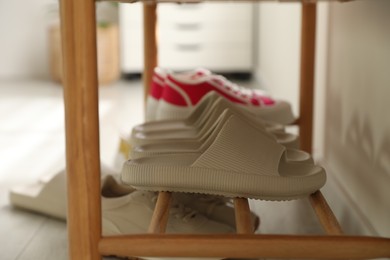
82	129
218	36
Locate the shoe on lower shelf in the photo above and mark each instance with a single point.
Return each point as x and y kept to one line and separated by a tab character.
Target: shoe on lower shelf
216	208
129	211
47	195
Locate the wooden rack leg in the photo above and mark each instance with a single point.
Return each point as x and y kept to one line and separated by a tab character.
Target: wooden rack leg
308	42
150	44
78	31
243	216
325	214
161	213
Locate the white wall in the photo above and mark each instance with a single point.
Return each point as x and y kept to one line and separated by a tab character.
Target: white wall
24	38
352	99
357	140
278	50
23	41
279	27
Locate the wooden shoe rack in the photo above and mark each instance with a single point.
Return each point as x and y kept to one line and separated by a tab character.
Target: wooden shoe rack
83	165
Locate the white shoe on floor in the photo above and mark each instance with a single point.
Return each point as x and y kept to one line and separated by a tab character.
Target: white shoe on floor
124	210
48	195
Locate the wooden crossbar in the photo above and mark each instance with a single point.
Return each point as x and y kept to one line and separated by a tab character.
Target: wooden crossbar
200	1
247	246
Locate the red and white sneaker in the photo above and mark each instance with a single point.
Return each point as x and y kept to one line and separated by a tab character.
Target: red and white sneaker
181	94
157	87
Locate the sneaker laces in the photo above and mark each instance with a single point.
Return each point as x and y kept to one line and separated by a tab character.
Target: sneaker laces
236	89
182	212
178	210
214	201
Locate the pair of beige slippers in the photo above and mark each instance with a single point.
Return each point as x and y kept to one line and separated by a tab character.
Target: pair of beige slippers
222	150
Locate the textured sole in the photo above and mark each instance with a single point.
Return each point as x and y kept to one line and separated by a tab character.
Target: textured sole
225	194
218	182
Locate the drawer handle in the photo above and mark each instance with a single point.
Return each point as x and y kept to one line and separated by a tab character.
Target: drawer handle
189	47
193	4
188	26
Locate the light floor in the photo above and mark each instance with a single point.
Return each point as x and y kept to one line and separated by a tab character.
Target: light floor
32	144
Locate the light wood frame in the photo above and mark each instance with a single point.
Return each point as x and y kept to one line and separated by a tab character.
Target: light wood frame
83	166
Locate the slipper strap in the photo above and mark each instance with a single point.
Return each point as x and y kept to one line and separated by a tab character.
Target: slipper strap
241	147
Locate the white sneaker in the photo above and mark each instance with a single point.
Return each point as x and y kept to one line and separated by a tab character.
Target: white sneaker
124	210
128	211
216	208
181	95
47	195
157	88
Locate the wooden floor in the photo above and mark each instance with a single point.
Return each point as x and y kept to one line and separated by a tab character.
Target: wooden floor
32	145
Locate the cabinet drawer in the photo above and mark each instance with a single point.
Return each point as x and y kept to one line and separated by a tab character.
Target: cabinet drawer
217	36
205	12
201	32
206	56
202	12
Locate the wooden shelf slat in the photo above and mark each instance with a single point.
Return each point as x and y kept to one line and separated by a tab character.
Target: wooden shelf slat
243	216
150	42
307	69
161	213
325	214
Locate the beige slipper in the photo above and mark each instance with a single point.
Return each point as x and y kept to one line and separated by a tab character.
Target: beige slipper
193	120
242	161
199	145
196	118
48	195
142	136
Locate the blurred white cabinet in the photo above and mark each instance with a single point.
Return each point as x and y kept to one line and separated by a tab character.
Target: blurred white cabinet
217	36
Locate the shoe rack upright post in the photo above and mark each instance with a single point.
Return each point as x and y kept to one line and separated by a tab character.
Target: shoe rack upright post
78	31
150	44
307	68
78	28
